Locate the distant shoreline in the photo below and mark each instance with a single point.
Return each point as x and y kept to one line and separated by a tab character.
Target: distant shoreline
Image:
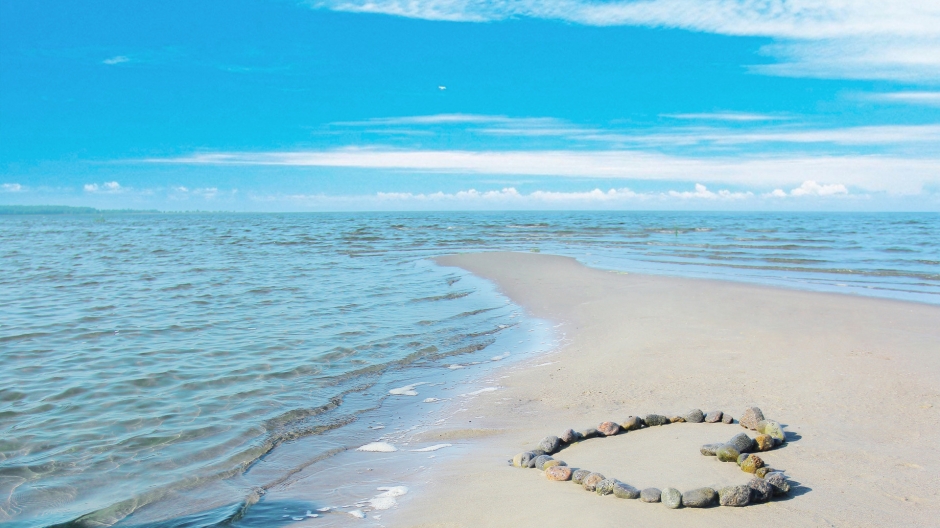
64	210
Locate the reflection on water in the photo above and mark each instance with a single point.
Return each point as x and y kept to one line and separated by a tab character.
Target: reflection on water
151	352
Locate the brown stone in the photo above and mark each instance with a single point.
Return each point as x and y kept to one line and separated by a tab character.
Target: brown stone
726	418
751	464
632	423
608	428
561	473
713	417
764	442
677	419
751	417
590	481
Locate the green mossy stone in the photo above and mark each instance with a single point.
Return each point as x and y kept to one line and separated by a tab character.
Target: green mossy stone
727	453
751	464
625	491
699	498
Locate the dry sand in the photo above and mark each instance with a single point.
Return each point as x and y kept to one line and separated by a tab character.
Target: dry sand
856	382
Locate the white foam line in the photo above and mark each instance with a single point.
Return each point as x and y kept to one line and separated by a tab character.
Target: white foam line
431	400
545	364
378	447
481	391
431	448
407	390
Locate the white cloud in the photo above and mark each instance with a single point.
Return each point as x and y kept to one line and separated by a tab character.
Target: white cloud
811	188
120	59
916	98
107	187
449	119
702	192
12	187
726	116
893	174
826	38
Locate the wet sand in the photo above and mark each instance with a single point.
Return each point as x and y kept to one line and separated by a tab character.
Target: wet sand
855	381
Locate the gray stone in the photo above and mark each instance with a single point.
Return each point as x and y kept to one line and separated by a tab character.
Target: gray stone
655	419
625	491
750	418
570	436
527	459
727	453
578	475
550	444
590	481
726	418
778	481
699	498
632	423
710	449
541	460
539	451
695	416
671	498
589	433
761	491
650	495
741	458
742	442
734	496
605	487
713	417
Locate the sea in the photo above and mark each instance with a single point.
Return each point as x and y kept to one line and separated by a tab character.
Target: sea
183	369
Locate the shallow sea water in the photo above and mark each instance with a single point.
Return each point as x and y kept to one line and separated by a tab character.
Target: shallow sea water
178	370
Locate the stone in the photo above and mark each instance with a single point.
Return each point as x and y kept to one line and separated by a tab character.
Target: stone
764	442
570	436
734	496
671	498
525	460
517	460
762	472
710	449
608	428
775	431
676	419
778	481
541	459
726	418
699	498
727	453
553	463
741	458
590	481
695	416
625	491
605	487
742	442
751	464
632	423
653	420
713	417
539	451
589	433
578	475
750	418
550	444
650	495
560	473
761	491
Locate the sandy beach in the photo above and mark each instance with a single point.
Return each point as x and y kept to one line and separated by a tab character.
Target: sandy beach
855	381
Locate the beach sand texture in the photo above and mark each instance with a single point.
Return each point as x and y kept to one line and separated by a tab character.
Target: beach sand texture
855	381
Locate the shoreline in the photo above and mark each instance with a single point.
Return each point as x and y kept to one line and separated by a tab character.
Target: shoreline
852	379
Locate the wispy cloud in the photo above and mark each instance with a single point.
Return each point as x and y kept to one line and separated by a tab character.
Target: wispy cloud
914	98
727	116
107	187
450	119
825	38
120	59
12	187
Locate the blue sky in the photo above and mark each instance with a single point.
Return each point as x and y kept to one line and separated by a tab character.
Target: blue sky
284	105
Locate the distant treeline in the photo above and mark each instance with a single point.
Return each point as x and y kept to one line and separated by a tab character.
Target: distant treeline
62	209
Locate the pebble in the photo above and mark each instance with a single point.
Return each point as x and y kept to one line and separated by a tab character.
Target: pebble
632	423
695	416
764	442
608	428
734	496
650	495
727	453
710	449
762	472
750	418
727	418
742	442
578	475
590	481
570	436
778	481
526	460
713	417
541	459
625	491
761	491
676	419
517	460
751	464
550	444
741	458
589	433
553	463
605	487
699	498
560	473
775	431
671	498
653	420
